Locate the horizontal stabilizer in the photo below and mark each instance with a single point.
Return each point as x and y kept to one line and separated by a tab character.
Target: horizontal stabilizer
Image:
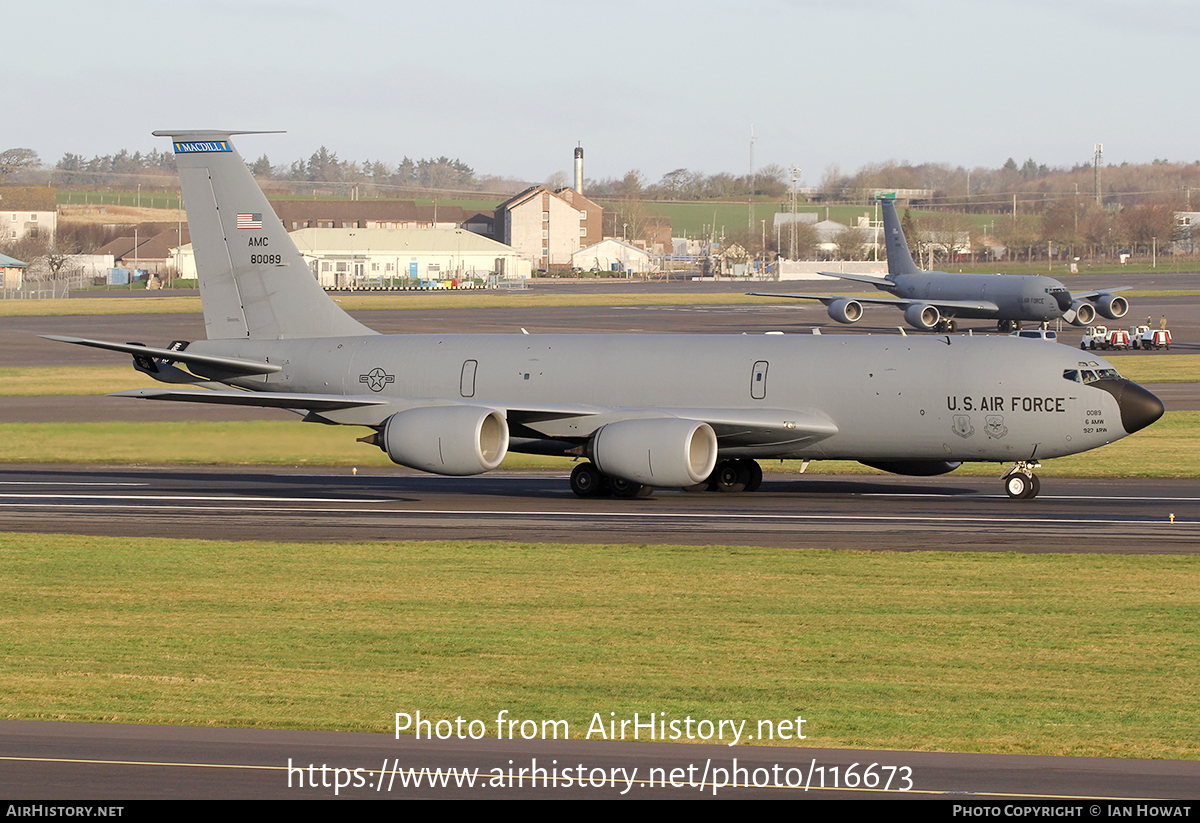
229	364
881	282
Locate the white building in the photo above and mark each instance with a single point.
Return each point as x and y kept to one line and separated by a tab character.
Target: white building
360	258
541	226
613	255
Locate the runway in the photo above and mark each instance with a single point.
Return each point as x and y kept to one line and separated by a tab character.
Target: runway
52	761
789	511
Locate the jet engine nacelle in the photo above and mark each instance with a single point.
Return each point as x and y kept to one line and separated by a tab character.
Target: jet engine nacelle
846	311
456	440
922	317
661	451
1081	313
1112	306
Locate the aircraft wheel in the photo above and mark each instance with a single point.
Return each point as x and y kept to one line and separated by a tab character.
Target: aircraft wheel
1020	486
628	489
754	474
953	325
731	476
587	481
698	487
1034	487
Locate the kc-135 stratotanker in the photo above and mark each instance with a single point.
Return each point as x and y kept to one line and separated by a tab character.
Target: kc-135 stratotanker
642	411
933	300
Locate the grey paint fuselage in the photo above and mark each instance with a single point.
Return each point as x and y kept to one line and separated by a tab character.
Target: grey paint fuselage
948	397
1020	297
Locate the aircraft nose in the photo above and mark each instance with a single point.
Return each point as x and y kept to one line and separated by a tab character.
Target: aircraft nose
1139	407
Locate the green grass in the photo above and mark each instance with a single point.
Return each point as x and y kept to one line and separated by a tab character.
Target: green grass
481	299
1169	448
1031	654
1148	368
69	380
146	200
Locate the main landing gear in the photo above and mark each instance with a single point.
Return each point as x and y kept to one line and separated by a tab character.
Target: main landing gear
946	325
1020	483
729	476
588	481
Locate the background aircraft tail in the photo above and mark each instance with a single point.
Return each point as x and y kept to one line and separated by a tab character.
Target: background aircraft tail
899	260
253	280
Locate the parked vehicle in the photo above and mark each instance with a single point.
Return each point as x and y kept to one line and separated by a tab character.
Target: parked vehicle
1036	334
1101	337
1153	339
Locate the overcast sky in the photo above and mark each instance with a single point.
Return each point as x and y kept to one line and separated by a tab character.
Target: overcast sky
511	87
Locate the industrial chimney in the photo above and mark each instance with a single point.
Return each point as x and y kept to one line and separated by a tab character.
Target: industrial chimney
579	169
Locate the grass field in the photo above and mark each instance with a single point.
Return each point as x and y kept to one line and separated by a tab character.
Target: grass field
467	299
1169	448
1031	654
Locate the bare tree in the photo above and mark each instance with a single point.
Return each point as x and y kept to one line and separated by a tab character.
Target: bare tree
12	160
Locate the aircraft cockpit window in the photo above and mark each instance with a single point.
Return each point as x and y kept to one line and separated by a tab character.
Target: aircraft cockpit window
1090	375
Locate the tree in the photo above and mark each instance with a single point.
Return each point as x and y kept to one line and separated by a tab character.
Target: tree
12	160
851	243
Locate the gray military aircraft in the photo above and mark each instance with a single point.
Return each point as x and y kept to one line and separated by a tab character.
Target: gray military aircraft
691	411
932	300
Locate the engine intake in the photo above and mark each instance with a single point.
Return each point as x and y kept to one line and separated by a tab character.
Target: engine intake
923	317
666	451
846	311
1112	306
454	440
1081	313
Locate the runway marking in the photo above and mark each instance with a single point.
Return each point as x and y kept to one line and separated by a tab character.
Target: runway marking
156	498
63	483
743	516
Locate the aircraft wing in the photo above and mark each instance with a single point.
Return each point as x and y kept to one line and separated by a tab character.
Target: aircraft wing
743	429
147	354
898	302
1088	295
270	400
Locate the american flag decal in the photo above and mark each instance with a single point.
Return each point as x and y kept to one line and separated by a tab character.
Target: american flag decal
246	220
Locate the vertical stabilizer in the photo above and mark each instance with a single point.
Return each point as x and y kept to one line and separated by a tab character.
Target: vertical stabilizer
253	280
898	257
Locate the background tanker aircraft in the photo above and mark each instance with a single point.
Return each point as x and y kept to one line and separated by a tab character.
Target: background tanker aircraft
932	300
646	410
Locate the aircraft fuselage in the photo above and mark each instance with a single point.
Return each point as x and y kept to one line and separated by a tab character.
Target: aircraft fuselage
1028	298
888	398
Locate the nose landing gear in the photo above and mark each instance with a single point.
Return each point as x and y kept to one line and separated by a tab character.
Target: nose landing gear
1020	483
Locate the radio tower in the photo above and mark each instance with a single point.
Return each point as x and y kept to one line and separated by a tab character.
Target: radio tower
750	222
1099	156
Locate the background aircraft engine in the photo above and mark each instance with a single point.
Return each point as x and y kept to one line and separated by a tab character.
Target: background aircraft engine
1081	313
457	440
846	311
921	317
1112	306
663	451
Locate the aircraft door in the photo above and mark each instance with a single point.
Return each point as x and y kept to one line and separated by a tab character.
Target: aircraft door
466	381
758	381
